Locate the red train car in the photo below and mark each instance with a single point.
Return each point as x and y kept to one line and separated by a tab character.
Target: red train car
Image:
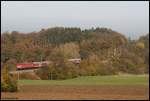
27	66
33	65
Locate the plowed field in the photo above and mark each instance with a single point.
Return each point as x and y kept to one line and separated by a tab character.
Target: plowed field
101	92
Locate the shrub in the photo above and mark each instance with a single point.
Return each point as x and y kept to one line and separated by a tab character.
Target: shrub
64	71
58	70
106	69
12	84
8	82
29	75
43	73
131	66
91	68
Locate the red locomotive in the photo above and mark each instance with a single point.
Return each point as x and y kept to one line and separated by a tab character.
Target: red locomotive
27	66
33	65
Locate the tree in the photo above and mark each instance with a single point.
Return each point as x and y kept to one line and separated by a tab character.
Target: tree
8	82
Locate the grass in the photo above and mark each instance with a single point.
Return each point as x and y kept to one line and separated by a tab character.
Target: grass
94	80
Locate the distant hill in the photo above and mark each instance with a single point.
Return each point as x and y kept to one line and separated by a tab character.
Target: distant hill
99	47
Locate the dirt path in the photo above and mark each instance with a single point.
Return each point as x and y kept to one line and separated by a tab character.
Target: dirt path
79	92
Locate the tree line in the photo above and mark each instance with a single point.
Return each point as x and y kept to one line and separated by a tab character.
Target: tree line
102	51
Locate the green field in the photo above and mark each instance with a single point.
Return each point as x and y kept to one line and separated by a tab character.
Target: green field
94	80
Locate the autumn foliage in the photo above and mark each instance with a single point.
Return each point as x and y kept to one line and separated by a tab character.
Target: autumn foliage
102	52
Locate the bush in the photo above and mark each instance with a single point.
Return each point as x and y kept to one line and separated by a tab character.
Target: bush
8	82
58	70
12	84
29	75
65	70
4	86
43	73
131	67
89	68
106	69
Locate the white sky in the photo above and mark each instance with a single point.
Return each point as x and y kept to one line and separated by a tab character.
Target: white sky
128	17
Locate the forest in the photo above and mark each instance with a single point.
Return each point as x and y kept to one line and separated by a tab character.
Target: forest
102	51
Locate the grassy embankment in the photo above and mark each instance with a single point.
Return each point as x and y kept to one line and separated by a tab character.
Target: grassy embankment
94	80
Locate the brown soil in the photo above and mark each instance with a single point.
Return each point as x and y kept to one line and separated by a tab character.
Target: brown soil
79	92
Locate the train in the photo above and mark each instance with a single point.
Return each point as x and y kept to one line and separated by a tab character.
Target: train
33	65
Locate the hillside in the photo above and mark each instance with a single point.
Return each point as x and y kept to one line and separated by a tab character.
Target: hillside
102	51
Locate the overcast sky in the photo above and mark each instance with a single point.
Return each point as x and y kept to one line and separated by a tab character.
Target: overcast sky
129	17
